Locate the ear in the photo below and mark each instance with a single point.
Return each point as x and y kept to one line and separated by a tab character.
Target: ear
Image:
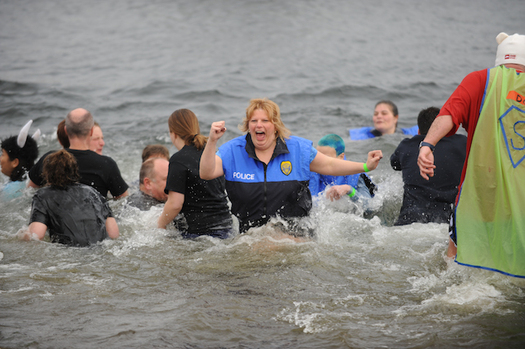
65	130
91	132
15	163
341	156
147	183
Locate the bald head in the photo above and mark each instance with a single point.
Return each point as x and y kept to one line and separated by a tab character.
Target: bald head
79	123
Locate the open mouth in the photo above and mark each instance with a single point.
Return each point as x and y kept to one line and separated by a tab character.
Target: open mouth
260	135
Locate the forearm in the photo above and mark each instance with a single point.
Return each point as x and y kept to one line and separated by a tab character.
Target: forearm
171	209
439	129
208	161
112	228
35	231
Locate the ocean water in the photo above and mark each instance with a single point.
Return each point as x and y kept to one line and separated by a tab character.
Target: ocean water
361	283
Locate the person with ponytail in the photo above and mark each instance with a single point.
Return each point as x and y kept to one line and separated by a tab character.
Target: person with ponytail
203	203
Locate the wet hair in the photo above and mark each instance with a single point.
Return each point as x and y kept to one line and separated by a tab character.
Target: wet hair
333	141
391	104
155	150
81	127
147	170
185	124
60	169
26	156
62	135
426	118
273	112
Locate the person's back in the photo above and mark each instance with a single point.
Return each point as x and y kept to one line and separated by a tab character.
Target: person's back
74	213
429	201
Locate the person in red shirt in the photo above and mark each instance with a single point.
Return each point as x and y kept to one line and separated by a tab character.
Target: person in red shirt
465	106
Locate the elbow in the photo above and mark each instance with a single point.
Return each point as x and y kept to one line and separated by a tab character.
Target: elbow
205	175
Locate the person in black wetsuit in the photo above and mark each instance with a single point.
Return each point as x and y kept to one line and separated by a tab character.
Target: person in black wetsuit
433	200
74	213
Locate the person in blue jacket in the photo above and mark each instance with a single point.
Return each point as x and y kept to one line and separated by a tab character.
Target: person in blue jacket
357	186
385	121
267	171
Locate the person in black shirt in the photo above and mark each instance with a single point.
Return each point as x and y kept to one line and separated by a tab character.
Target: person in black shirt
433	200
74	213
203	203
98	171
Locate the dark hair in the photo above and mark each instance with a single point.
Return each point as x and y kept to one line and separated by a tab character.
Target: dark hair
184	123
155	149
26	156
62	135
426	118
60	169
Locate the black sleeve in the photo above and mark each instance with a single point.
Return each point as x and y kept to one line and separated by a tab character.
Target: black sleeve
38	211
35	173
395	161
176	180
117	185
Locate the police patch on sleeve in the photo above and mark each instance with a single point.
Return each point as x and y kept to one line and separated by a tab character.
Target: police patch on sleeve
286	167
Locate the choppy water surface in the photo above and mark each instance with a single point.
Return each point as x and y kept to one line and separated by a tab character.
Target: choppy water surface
359	283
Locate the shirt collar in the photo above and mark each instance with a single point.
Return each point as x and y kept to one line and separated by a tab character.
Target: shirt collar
280	148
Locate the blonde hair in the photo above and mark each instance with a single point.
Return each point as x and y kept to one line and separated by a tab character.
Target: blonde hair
184	123
274	114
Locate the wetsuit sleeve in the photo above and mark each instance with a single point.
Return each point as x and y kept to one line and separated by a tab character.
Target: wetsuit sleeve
38	211
105	209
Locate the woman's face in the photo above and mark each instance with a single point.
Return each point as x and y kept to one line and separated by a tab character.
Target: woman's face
262	130
384	119
97	140
6	164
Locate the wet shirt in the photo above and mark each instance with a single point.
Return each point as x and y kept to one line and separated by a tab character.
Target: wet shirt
142	201
205	202
430	200
98	171
75	216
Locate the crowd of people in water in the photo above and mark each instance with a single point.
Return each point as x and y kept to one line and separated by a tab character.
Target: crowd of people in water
267	172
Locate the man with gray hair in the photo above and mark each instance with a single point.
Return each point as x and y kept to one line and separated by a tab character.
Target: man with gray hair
98	171
488	224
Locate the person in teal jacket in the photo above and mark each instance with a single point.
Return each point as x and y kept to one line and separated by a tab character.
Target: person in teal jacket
385	121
